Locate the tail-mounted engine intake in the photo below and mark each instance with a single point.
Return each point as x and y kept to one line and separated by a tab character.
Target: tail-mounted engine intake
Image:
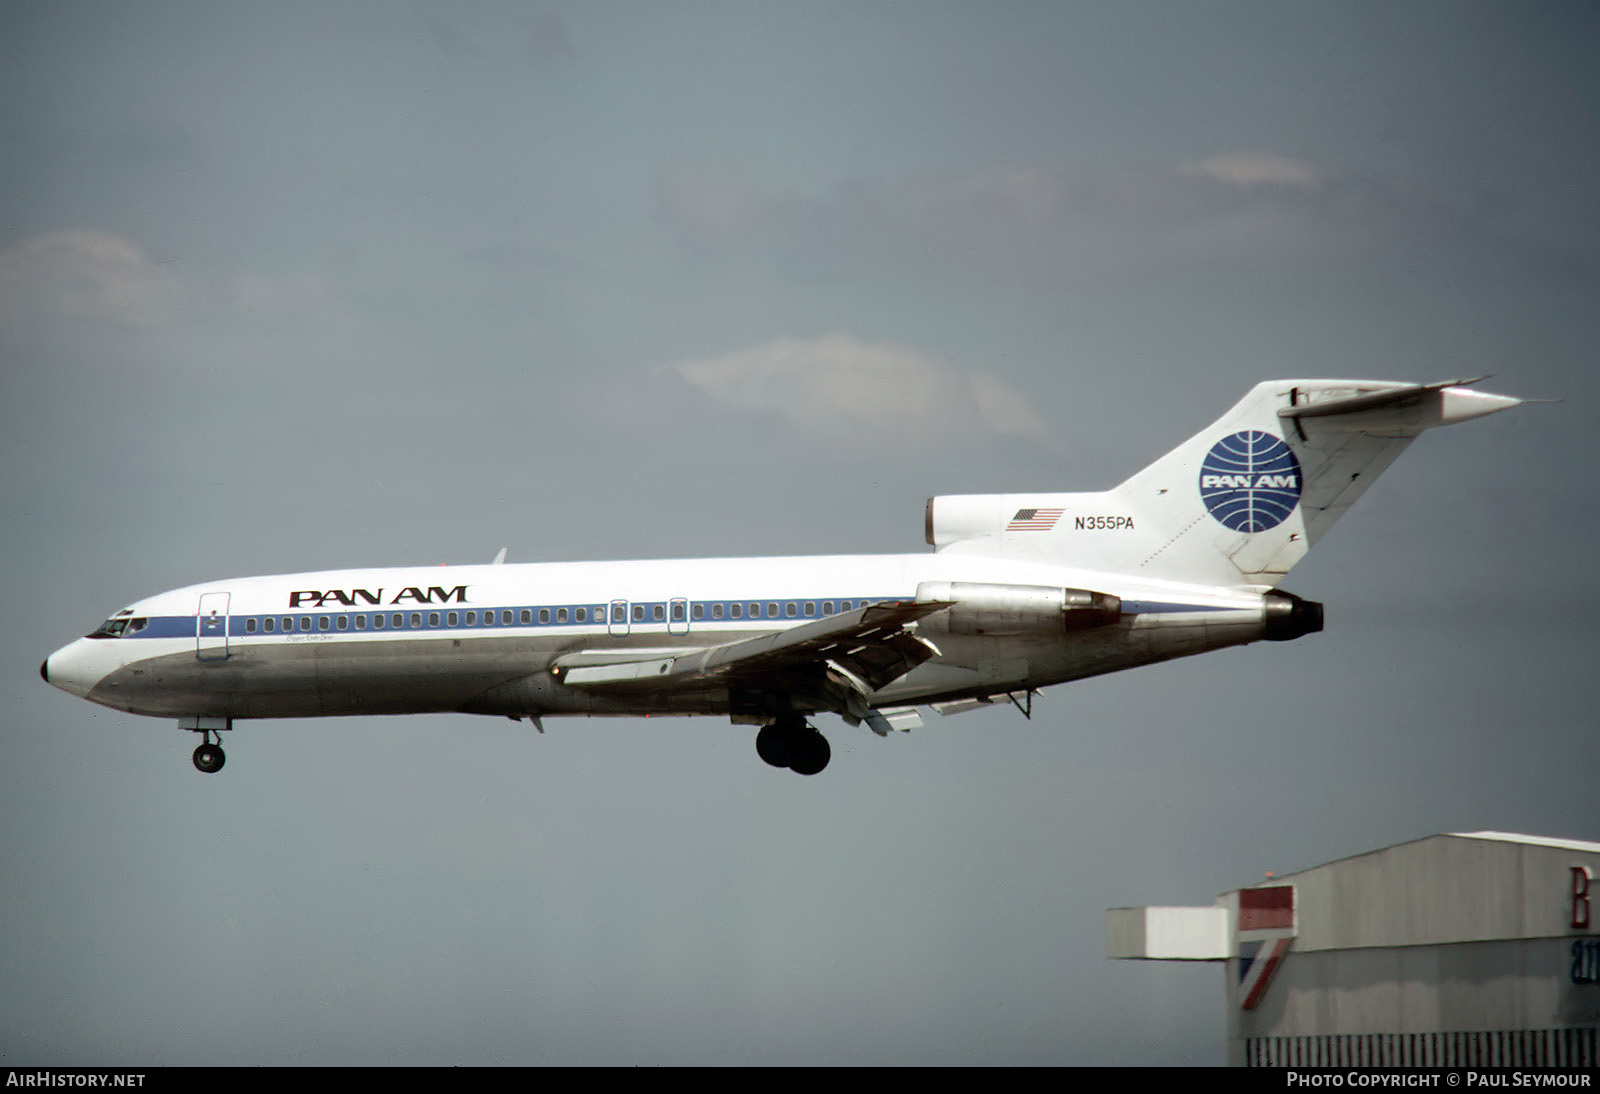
980	608
1288	617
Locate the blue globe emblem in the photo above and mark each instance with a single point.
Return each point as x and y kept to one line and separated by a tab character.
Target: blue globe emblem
1250	481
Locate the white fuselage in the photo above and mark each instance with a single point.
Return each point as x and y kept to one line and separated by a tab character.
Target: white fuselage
484	639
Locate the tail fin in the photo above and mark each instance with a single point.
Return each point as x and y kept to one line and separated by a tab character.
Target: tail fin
1240	502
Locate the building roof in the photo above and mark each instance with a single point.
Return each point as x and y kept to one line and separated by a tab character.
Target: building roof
1538	841
1279	876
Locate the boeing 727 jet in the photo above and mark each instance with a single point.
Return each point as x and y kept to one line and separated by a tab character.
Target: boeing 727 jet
1019	591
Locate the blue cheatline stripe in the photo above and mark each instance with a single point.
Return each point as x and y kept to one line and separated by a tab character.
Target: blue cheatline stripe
437	617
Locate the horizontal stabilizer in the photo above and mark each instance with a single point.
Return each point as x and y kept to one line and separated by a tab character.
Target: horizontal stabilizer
1399	410
1371	400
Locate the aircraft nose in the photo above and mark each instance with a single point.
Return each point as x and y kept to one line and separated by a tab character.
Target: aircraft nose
72	668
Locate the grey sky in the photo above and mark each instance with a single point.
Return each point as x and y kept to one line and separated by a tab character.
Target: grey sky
302	286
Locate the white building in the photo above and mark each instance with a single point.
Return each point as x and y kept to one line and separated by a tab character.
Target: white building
1478	948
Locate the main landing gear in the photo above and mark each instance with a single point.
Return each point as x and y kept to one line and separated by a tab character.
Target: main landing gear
790	742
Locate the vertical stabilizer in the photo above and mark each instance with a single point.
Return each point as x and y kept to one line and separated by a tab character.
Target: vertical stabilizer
1240	502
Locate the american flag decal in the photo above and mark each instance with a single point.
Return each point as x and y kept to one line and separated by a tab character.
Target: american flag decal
1266	927
1034	520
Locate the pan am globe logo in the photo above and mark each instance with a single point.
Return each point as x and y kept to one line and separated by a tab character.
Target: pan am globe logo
1250	481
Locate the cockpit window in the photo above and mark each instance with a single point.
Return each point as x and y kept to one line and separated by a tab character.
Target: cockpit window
116	625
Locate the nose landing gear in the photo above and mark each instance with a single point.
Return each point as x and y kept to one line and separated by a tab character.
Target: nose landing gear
209	757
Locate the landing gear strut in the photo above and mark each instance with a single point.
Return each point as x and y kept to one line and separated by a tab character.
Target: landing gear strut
790	742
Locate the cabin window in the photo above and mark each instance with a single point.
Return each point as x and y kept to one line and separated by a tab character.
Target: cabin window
455	618
582	614
658	613
361	622
433	619
561	615
322	623
505	617
527	615
472	618
544	615
699	611
716	611
772	610
737	610
268	624
250	626
288	624
790	609
827	607
377	621
344	622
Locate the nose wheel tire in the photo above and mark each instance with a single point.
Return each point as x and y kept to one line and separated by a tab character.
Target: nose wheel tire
209	758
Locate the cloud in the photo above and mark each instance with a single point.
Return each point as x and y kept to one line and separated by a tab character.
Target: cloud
99	300
1256	168
1011	222
58	280
82	275
839	386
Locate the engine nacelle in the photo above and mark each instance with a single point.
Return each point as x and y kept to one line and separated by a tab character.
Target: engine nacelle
1288	617
981	608
954	517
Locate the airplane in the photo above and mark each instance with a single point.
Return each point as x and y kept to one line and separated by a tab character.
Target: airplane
1019	592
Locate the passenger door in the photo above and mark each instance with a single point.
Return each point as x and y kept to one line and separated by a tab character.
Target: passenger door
211	627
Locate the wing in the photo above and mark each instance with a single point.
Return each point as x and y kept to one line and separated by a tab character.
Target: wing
831	664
